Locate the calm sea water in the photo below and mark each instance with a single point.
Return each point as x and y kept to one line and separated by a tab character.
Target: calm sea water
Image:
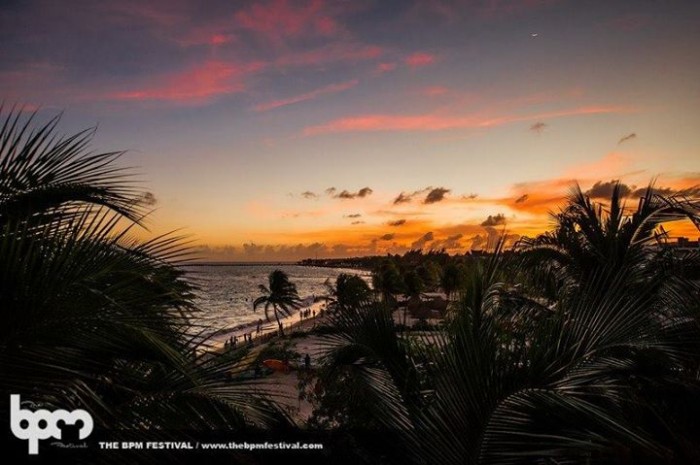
227	292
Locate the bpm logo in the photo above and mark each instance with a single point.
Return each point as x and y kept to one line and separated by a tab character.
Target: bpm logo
43	424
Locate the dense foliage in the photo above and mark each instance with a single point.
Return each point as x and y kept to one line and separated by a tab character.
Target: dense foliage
90	317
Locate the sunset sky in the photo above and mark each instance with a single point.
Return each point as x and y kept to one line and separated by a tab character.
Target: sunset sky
280	130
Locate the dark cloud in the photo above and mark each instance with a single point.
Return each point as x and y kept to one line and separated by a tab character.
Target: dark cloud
364	192
450	243
603	190
149	199
522	198
667	191
309	195
345	195
387	237
538	127
405	197
330	191
352	215
253	249
494	220
397	223
402	198
358	222
436	195
423	240
630	136
470	197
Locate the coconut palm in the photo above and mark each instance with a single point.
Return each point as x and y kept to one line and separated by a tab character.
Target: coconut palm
387	281
593	238
413	284
451	279
594	377
281	295
349	292
89	316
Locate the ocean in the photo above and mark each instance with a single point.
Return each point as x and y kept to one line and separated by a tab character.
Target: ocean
226	292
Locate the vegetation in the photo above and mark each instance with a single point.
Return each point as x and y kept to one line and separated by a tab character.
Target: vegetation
597	366
90	317
580	346
281	295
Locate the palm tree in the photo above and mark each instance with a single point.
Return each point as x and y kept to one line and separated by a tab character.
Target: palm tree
281	295
451	279
90	317
350	292
414	287
591	238
596	376
387	281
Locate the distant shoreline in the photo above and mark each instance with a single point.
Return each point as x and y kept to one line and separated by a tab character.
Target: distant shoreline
239	264
305	263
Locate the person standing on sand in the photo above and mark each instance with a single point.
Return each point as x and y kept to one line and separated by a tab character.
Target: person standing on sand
307	362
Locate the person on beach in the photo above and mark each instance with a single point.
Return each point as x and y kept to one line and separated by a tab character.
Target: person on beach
307	362
260	322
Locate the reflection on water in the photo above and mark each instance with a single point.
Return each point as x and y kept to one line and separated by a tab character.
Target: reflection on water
227	292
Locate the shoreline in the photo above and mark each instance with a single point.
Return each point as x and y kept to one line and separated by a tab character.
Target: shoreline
269	329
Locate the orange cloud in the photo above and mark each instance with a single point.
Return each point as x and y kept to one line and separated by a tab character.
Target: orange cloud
434	122
419	59
196	84
330	89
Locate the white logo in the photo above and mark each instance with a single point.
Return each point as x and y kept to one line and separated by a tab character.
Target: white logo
42	424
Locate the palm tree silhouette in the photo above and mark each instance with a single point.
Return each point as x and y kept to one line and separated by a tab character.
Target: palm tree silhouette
92	318
451	280
348	293
281	295
597	375
591	238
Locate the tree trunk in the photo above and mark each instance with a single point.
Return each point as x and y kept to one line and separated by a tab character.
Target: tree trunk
279	324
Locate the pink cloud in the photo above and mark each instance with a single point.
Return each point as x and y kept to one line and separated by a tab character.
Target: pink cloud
434	91
419	59
385	67
220	39
196	84
434	122
330	89
280	19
